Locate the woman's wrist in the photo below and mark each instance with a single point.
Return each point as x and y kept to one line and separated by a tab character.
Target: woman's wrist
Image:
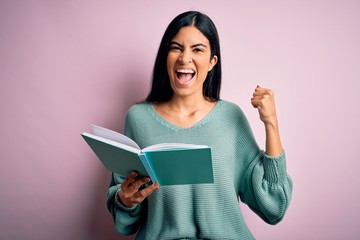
122	201
273	142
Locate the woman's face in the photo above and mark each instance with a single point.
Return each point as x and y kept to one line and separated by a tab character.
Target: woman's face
188	61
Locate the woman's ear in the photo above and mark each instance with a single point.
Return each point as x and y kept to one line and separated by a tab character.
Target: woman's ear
213	62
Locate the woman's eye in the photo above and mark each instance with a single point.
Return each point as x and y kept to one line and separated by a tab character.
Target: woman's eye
198	50
175	48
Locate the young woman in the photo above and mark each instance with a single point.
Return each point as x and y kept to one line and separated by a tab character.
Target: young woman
184	106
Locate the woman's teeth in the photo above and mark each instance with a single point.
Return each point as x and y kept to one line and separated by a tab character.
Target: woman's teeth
185	71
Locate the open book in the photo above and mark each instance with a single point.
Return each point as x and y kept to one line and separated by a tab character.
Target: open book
167	163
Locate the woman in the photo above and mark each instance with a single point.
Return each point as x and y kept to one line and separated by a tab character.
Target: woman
184	106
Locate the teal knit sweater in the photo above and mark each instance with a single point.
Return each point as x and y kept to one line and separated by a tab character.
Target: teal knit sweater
205	211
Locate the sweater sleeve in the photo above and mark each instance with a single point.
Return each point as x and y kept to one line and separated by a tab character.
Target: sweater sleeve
127	220
267	188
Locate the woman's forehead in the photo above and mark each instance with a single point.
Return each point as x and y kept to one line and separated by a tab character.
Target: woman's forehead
190	35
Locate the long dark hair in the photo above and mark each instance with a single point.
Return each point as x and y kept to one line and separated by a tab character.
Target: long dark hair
161	90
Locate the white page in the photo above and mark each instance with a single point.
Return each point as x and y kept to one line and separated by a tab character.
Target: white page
114	136
162	146
113	143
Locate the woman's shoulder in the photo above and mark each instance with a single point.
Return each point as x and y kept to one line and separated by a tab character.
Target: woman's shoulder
230	106
139	106
138	109
234	114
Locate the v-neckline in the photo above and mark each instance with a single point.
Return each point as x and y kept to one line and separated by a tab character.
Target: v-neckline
175	127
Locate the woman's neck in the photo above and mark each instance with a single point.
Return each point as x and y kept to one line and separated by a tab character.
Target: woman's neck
184	111
188	103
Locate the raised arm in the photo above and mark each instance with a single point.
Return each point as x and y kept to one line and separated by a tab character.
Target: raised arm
266	187
263	99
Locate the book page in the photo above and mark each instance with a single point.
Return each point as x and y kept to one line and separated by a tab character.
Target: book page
114	136
168	146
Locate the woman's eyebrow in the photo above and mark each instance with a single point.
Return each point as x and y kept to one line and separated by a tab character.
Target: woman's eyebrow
192	46
175	43
198	45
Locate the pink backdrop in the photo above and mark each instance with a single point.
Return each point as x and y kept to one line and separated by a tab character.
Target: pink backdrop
67	64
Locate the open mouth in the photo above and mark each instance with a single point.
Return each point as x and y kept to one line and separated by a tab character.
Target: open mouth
184	76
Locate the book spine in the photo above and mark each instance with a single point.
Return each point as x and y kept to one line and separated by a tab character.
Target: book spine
148	168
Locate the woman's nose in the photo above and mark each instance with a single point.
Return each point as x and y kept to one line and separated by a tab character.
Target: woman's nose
185	58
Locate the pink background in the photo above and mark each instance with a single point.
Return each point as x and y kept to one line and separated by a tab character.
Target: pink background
67	64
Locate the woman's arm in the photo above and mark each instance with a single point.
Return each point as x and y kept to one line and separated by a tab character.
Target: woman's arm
263	100
126	219
266	187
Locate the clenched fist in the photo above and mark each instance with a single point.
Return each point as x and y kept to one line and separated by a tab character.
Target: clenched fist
263	99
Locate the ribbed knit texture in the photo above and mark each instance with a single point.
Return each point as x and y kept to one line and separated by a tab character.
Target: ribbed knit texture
205	211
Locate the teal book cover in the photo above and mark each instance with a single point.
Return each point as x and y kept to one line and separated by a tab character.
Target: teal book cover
167	164
114	158
181	166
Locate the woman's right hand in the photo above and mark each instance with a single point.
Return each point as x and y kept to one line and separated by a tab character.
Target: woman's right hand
129	193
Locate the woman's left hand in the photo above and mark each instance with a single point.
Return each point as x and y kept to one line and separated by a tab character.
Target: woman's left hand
263	99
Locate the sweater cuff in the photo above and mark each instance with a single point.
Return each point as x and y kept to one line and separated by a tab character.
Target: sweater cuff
275	168
133	210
